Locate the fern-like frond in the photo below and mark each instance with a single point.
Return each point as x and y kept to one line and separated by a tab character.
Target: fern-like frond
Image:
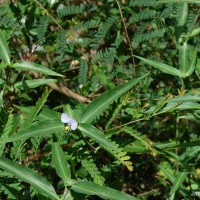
142	3
142	138
105	57
103	31
86	25
190	21
180	14
106	143
142	15
70	10
119	39
121	156
94	83
82	77
7	18
139	38
42	28
11	190
8	22
92	169
61	42
11	125
167	12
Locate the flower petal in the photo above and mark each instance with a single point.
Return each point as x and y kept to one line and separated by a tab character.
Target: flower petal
65	118
73	124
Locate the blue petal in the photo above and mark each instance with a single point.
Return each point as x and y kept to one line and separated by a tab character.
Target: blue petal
65	118
74	125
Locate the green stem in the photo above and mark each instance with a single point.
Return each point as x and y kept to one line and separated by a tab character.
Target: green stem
182	84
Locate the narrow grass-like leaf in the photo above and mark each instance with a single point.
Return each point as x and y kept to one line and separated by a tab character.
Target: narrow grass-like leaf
176	1
104	192
4	50
183	15
35	130
25	65
185	98
30	176
48	114
33	83
178	182
100	104
184	59
187	59
60	163
188	106
161	66
192	62
184	192
95	134
187	144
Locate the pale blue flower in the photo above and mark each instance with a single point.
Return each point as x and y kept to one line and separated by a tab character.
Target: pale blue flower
69	121
73	124
65	118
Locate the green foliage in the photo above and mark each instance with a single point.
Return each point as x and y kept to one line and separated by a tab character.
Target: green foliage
28	175
42	29
5	52
35	110
90	166
142	138
70	10
90	188
82	78
101	33
142	3
8	20
62	167
127	72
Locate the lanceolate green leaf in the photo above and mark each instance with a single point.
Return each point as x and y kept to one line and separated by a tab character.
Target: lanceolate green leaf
30	176
187	60
102	102
4	50
92	132
104	192
185	98
177	1
188	106
33	83
183	14
42	128
184	59
172	179
161	66
193	61
25	65
60	163
178	182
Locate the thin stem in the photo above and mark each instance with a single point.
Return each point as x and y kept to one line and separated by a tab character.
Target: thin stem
126	33
182	84
137	120
41	6
177	131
